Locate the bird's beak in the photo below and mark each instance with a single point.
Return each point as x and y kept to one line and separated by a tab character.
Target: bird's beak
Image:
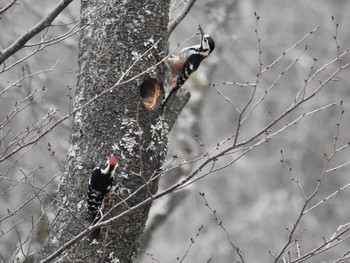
201	31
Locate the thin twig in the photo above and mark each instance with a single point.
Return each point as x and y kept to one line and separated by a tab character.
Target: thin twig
220	223
327	198
44	23
289	49
31	75
119	83
296	181
291	233
174	23
4	9
193	240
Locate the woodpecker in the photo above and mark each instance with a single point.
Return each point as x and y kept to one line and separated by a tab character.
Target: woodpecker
100	184
187	61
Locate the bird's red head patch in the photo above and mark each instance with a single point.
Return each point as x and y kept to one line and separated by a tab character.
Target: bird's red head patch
113	160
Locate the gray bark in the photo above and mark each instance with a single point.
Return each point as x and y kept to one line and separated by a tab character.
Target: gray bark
116	33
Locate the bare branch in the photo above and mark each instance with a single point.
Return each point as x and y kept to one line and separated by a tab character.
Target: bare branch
49	42
292	176
327	198
4	9
219	222
289	49
334	241
291	233
14	84
44	23
119	83
335	37
173	24
193	239
274	84
151	256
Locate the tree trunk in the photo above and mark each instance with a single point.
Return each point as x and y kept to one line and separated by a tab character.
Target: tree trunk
114	35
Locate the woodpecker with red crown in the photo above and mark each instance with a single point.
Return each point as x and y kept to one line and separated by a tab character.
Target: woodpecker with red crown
186	62
100	185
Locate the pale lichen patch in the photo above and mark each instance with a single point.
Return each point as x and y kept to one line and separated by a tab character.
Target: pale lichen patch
72	150
131	138
80	204
113	259
159	130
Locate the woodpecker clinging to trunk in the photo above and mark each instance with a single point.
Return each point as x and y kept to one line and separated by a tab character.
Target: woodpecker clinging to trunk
187	62
100	184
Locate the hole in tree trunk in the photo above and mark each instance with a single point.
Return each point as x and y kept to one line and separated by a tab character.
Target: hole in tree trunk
152	93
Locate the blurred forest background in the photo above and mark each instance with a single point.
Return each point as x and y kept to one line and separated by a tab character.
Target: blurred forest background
255	197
